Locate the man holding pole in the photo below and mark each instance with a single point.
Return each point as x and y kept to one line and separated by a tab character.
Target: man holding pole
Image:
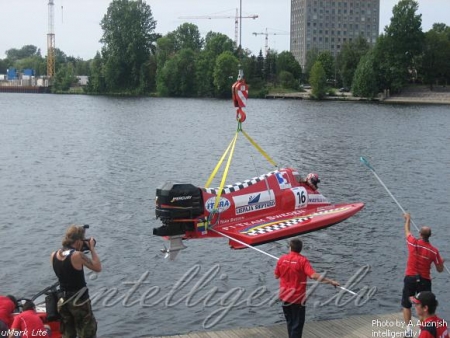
417	275
292	270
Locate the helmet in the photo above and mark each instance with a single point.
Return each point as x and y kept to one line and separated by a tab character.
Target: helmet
313	179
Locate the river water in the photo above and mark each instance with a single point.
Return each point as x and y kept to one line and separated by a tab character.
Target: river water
98	161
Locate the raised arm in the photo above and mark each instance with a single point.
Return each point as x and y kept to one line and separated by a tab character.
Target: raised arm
407	217
80	259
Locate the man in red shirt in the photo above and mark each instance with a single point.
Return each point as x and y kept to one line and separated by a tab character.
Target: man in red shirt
7	306
28	323
431	326
417	275
292	270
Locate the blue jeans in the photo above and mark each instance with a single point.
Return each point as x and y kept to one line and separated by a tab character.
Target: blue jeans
295	319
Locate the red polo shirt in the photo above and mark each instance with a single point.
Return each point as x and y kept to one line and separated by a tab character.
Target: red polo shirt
420	256
29	324
438	323
292	269
6	309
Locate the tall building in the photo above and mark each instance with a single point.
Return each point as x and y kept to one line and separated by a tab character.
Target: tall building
328	24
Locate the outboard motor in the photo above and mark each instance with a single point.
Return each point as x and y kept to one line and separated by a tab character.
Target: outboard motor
177	205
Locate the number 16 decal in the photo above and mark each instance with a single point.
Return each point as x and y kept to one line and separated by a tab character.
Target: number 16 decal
301	197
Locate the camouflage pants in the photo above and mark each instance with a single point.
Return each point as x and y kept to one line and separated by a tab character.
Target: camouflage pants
77	319
3	329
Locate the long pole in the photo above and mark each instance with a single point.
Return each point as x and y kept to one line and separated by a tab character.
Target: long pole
367	164
266	253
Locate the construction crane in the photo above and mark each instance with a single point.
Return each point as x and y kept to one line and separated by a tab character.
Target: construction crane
236	20
51	40
267	38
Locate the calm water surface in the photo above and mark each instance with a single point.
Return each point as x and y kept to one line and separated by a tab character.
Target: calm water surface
98	161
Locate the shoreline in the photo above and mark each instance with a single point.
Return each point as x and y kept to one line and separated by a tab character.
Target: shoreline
411	95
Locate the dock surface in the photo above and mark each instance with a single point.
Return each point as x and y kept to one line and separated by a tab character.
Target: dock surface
364	326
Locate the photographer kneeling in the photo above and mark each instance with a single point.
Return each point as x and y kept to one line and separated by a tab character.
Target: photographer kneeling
74	305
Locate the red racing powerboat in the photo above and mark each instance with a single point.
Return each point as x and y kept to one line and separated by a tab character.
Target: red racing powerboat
263	209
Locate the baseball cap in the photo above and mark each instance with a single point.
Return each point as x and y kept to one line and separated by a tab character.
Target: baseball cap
424	298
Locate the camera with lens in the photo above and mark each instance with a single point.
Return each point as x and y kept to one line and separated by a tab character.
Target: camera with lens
85	246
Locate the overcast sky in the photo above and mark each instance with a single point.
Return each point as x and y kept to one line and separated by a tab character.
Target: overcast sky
77	29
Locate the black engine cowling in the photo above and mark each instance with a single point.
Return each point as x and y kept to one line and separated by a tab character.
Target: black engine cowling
176	204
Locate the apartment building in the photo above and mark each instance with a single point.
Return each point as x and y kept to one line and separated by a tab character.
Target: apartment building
328	24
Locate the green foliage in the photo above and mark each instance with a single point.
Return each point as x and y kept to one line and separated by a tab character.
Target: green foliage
318	81
287	62
259	71
96	83
435	61
365	82
135	60
128	38
349	57
270	67
225	74
311	58
64	78
187	36
165	47
257	93
249	65
287	80
403	43
35	62
26	51
217	43
327	61
4	65
177	78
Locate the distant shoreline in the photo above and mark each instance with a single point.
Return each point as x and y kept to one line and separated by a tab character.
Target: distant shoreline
410	95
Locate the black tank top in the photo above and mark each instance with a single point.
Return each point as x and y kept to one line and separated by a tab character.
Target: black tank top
70	279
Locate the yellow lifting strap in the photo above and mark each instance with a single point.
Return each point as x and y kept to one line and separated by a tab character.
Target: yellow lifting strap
267	157
216	169
229	151
225	173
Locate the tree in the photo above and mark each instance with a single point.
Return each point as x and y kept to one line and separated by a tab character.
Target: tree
224	74
187	36
311	58
328	64
64	78
287	80
177	78
3	66
270	66
260	65
287	62
435	60
128	38
215	44
442	28
349	57
35	62
26	51
365	83
96	83
318	80
404	41
165	48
